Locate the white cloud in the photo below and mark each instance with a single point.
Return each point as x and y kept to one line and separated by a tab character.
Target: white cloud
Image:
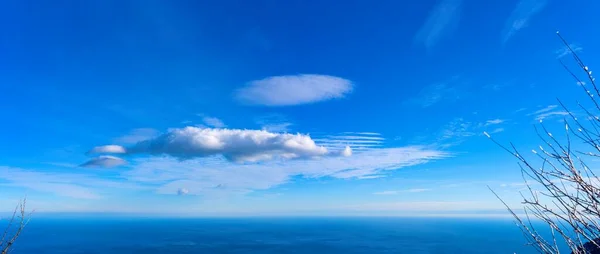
442	20
107	149
210	175
347	152
293	90
548	112
213	122
234	144
493	122
105	161
566	51
137	135
521	15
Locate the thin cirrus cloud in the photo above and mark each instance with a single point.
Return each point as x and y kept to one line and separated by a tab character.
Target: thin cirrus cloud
566	50
234	144
493	122
442	20
293	90
274	123
80	186
548	112
211	175
447	91
521	16
137	135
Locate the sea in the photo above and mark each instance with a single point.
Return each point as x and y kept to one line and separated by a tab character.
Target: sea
84	235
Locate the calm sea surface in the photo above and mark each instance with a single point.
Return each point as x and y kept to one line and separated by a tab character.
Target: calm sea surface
271	235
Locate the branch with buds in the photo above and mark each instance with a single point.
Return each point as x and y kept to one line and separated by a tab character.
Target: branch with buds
568	198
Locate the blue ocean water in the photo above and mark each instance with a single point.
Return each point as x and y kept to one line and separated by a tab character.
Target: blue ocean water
271	235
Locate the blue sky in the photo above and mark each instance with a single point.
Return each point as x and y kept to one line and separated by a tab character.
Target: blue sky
278	107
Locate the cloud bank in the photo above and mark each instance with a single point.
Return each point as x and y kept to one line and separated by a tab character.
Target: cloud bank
293	90
215	175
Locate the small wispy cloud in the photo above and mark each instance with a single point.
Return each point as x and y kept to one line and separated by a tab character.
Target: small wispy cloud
564	51
436	93
548	112
137	135
493	122
213	122
442	20
293	90
458	130
494	87
543	110
497	130
388	192
274	123
520	17
546	115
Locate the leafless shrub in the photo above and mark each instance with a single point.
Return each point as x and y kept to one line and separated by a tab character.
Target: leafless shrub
563	192
15	226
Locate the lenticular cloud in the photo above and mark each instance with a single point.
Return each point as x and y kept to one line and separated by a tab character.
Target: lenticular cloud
234	144
105	161
293	90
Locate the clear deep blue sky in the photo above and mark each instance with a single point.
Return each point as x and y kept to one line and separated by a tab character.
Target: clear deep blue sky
278	107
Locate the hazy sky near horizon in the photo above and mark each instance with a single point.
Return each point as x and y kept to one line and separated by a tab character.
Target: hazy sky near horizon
279	107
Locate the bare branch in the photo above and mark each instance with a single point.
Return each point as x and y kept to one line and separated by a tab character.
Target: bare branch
564	193
16	224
